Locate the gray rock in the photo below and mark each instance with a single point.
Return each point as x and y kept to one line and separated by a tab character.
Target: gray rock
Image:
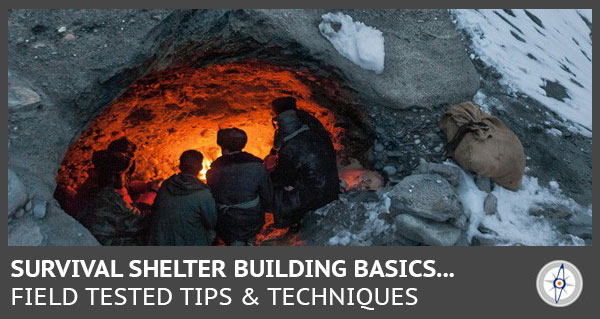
29	206
25	233
17	193
427	231
583	232
60	229
490	205
390	170
19	213
378	147
20	93
39	210
552	211
483	183
450	173
426	195
358	217
461	222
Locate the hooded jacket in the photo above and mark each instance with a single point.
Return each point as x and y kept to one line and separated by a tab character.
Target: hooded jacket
243	193
184	213
305	162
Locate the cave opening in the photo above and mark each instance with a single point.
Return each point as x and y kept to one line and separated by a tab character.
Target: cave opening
173	110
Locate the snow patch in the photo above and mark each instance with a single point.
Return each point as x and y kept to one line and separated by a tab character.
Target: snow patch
359	43
513	225
546	54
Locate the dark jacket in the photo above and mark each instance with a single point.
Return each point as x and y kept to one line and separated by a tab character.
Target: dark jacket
314	125
184	213
306	164
112	220
235	180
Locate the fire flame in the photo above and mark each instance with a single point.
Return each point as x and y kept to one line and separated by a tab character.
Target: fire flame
205	167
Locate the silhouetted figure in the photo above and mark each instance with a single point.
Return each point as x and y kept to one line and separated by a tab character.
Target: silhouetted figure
242	189
108	211
305	176
184	212
124	146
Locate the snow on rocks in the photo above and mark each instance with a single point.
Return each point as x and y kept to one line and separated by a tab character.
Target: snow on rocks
546	54
359	43
523	217
359	218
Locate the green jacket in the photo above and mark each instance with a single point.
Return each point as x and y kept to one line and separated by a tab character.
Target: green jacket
184	213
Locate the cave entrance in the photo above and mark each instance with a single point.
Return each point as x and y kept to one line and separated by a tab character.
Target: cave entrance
170	111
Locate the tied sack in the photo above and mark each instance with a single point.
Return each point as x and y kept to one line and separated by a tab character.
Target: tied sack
482	144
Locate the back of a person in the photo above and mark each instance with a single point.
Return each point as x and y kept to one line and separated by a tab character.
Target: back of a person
234	179
316	126
183	213
242	189
316	174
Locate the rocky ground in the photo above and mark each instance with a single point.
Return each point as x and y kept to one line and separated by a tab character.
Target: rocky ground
65	66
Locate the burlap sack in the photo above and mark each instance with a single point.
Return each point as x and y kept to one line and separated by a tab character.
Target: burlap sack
487	146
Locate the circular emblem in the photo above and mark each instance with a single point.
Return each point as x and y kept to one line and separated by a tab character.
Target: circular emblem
559	283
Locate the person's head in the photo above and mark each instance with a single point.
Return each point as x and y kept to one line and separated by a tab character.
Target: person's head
283	104
231	139
111	167
123	145
190	162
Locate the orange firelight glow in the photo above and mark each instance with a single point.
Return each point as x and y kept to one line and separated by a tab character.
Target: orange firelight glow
170	111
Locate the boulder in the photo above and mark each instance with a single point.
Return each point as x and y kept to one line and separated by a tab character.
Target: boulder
25	233
426	195
427	231
450	173
17	193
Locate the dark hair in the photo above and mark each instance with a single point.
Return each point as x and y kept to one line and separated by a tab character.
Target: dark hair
123	145
232	139
110	166
191	161
283	104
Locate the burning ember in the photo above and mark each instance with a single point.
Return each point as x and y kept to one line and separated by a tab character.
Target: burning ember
171	111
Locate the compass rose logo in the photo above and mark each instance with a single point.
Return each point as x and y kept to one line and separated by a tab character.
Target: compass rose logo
559	283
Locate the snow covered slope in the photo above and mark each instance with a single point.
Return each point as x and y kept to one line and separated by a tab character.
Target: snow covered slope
546	54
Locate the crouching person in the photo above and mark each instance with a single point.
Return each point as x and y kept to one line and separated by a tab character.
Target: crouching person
184	212
113	218
242	189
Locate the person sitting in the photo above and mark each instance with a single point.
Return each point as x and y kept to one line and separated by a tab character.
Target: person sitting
184	212
111	215
138	190
242	189
305	176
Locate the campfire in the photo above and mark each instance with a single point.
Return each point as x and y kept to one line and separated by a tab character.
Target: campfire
168	112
